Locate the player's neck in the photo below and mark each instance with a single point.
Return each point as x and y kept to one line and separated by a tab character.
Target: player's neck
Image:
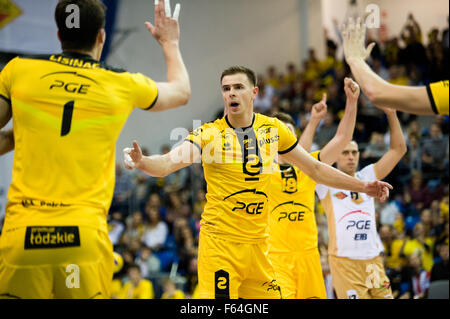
92	54
240	120
350	173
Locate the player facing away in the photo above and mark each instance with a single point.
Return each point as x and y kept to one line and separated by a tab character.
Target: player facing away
68	110
356	268
237	152
430	99
293	237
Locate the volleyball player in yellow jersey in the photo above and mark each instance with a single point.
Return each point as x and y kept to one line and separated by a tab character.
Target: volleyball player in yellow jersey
68	110
430	99
293	238
237	152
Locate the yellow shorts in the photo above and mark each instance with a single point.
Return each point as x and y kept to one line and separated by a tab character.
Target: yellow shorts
299	275
359	279
55	262
230	270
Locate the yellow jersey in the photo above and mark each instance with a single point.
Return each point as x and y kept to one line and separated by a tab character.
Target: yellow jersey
68	111
438	94
238	164
144	290
292	223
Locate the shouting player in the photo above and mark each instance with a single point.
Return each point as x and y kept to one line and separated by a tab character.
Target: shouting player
238	152
68	110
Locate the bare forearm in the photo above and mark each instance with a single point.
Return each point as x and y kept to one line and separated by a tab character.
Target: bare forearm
332	177
397	140
381	93
6	141
176	70
155	165
307	137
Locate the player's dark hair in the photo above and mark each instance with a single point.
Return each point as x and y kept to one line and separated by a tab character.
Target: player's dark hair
92	20
251	75
285	118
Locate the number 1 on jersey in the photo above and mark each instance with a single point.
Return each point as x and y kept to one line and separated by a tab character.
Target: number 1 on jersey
67	118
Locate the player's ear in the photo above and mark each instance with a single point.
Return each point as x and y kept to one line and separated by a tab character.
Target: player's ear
255	92
57	34
101	38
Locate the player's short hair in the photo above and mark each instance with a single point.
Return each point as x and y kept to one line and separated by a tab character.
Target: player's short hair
251	75
92	20
285	118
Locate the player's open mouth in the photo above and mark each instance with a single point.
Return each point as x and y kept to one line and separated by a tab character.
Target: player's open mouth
234	104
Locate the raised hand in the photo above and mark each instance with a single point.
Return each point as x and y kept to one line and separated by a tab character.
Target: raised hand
132	156
354	36
319	110
166	28
351	89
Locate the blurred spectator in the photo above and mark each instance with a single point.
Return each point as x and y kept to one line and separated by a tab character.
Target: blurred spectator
156	231
148	263
420	242
326	131
273	77
185	243
414	155
416	279
123	190
425	219
170	291
434	152
263	101
440	270
376	149
115	227
192	277
134	229
420	196
136	287
388	212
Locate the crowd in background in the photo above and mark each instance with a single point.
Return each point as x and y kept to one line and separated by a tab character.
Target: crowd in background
155	222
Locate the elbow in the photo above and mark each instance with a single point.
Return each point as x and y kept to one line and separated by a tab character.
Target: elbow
184	96
373	95
316	174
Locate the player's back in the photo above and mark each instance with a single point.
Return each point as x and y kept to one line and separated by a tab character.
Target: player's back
68	111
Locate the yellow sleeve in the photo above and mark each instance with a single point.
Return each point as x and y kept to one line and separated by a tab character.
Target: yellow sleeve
438	94
146	290
316	155
179	295
203	135
6	79
144	91
287	141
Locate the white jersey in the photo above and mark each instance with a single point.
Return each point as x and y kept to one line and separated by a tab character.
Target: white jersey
351	220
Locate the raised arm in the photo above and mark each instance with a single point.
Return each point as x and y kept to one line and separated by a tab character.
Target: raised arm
381	93
397	148
344	133
327	175
161	165
176	91
318	112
